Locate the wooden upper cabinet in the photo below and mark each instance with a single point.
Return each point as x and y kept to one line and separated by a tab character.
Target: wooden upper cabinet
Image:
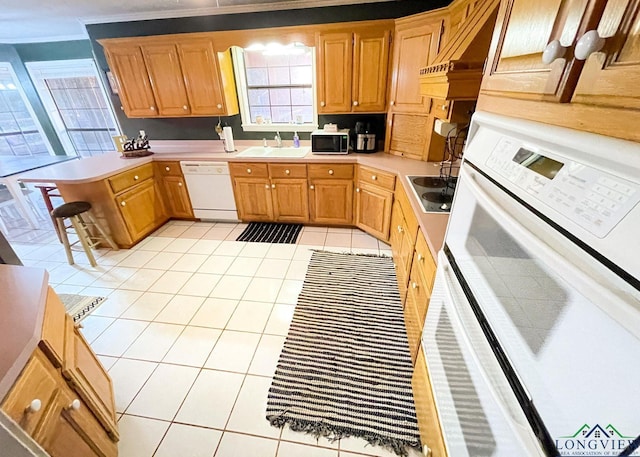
523	31
335	69
612	78
136	95
207	90
371	61
163	65
416	43
352	69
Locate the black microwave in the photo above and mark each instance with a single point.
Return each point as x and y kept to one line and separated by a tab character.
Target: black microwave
324	142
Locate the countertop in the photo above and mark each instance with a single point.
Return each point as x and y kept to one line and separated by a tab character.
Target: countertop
97	168
22	303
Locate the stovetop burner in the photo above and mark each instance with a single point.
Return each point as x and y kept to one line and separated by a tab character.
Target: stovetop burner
435	193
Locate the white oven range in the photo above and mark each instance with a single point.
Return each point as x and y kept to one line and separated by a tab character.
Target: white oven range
532	336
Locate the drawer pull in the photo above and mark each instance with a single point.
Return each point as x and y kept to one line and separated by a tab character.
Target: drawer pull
312	187
399	229
357	189
330	172
420	258
152	108
179	184
414	285
167	169
74	405
34	406
273	186
249	170
355	103
219	106
136	177
322	103
374	177
288	172
184	107
123	203
266	186
392	103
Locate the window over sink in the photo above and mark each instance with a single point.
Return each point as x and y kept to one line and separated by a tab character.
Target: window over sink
276	87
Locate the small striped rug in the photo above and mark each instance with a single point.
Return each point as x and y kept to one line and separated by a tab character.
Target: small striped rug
345	368
268	232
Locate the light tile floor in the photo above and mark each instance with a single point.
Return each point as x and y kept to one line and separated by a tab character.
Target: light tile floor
191	333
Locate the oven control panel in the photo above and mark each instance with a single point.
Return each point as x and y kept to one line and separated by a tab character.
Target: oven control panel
591	198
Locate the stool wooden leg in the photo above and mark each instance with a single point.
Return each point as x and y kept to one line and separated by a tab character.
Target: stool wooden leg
106	237
65	239
82	235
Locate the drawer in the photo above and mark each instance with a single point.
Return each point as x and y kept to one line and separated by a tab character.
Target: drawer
424	260
409	216
420	291
376	177
168	168
249	170
53	329
288	170
342	171
38	381
413	325
130	178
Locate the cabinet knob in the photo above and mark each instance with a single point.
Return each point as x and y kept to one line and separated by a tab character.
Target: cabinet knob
123	203
330	172
588	43
249	170
420	258
179	184
273	186
167	169
374	177
219	106
357	189
392	103
122	107
136	177
399	229
414	285
74	405
34	406
553	51
288	172
322	103
152	108
444	107
312	187
266	186
355	103
185	107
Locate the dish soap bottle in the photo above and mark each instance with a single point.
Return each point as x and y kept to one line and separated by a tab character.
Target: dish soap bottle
296	140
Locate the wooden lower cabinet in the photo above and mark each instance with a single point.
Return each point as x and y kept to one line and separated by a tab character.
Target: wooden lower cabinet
253	199
331	201
290	200
177	197
373	210
426	411
142	208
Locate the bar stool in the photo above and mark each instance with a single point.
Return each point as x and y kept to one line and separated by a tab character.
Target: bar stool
76	212
47	192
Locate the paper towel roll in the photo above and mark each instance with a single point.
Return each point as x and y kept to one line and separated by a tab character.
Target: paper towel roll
228	139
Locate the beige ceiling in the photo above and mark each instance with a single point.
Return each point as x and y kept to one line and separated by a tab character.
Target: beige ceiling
23	21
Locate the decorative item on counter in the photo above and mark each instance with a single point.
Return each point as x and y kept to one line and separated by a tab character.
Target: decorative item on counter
330	127
219	129
229	146
137	147
296	140
119	141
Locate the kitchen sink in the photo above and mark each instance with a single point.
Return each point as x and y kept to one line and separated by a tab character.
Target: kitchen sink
260	151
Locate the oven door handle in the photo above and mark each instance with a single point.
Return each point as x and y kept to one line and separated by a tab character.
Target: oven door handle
505	403
573	273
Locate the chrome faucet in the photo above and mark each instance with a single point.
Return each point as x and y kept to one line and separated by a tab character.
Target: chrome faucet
278	140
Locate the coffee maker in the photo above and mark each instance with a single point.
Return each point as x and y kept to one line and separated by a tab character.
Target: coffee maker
364	140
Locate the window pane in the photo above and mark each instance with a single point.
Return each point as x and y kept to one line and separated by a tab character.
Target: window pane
8	123
257	77
18	145
281	114
305	111
279	76
263	111
301	59
258	97
278	61
35	143
254	59
301	75
301	96
280	97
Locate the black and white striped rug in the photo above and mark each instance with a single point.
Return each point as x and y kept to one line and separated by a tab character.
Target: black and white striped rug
345	368
268	232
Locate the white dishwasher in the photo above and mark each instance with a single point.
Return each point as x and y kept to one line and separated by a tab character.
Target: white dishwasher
210	190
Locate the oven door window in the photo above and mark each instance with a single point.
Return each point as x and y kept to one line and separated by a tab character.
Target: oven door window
570	341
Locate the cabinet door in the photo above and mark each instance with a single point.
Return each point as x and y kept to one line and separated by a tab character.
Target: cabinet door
370	68
611	79
335	69
415	46
426	411
177	197
89	379
167	82
142	209
253	199
524	28
136	95
200	70
331	201
290	200
373	210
